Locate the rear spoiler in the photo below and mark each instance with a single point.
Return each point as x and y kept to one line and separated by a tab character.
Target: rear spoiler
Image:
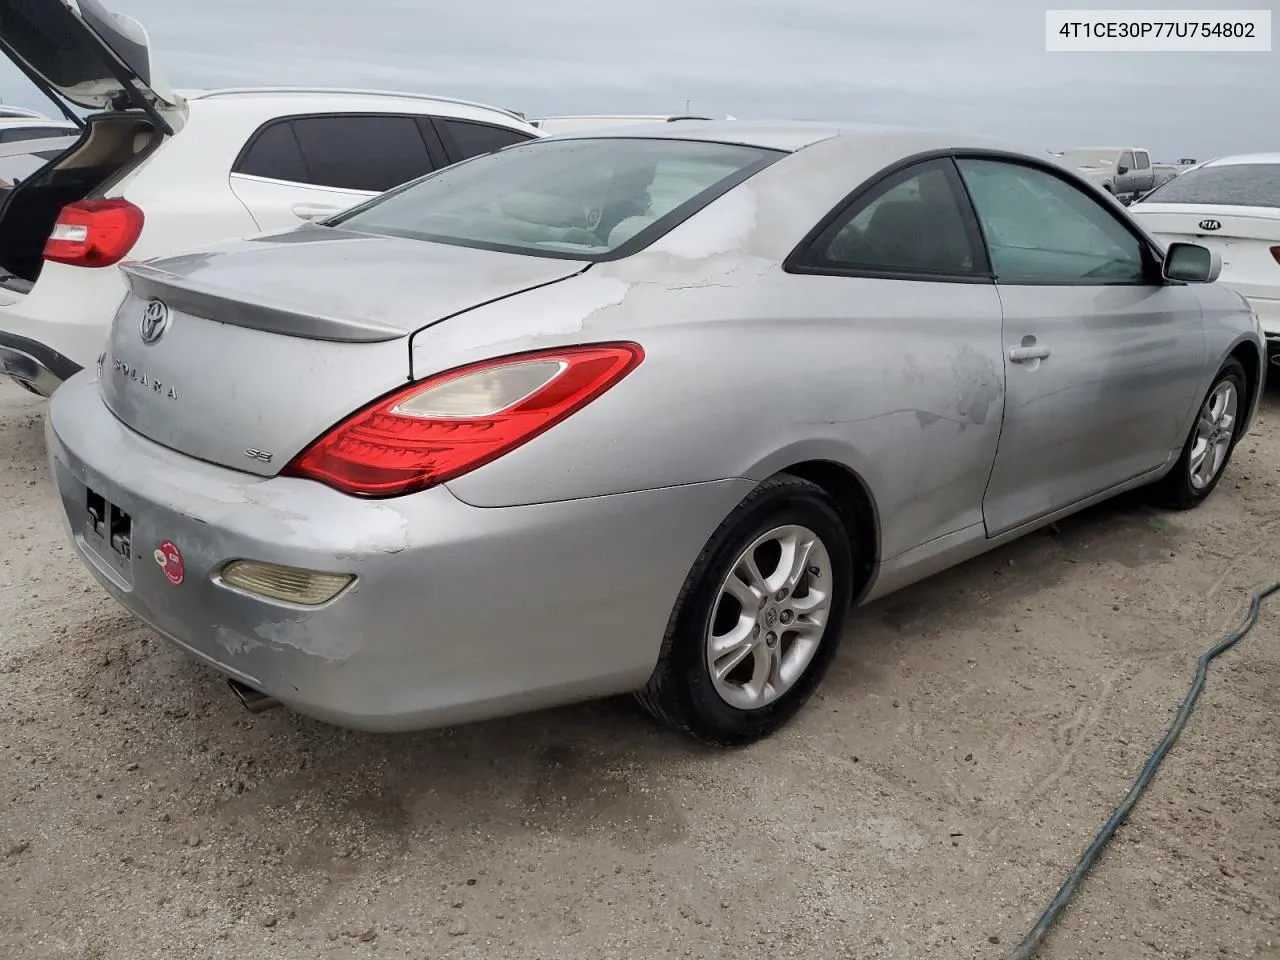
203	300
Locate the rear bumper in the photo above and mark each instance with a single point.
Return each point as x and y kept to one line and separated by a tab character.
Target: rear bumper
1268	313
32	365
60	326
457	613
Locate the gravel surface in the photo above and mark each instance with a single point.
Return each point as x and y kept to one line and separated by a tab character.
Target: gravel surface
972	736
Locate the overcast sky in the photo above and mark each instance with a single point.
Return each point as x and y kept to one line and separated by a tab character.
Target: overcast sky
978	65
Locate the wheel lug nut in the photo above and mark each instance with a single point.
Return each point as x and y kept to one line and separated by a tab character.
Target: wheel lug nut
771	638
787	616
780	595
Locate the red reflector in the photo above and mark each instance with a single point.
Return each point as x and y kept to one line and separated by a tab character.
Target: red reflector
440	428
94	233
1275	253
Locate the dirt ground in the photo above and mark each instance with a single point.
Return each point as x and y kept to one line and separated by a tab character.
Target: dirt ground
973	735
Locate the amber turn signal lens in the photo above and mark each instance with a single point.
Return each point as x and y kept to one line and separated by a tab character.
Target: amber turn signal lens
290	584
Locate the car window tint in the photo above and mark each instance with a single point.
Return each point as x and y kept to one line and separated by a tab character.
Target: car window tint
1126	160
371	153
274	154
1144	161
472	139
15	134
911	224
1041	229
1232	184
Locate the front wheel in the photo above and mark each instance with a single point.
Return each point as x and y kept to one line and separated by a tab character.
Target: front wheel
759	618
1212	439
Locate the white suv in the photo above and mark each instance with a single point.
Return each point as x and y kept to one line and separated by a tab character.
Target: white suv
155	173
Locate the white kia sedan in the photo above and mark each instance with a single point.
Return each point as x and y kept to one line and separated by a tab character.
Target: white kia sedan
1232	206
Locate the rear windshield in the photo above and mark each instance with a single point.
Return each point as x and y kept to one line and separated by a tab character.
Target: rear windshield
579	199
1231	184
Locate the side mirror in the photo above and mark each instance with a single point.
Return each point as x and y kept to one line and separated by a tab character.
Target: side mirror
1122	169
315	211
1191	263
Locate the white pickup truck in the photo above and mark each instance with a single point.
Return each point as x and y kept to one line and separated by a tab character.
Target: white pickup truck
1124	172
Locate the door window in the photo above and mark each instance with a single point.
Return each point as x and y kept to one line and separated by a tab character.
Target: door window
1042	229
1142	160
370	153
365	152
1126	161
470	139
912	223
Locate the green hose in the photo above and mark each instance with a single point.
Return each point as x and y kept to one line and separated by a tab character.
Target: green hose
1031	942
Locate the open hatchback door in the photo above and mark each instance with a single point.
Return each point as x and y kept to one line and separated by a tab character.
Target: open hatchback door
79	51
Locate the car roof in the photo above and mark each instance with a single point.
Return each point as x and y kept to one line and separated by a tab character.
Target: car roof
344	95
35	122
1241	158
792	135
22	113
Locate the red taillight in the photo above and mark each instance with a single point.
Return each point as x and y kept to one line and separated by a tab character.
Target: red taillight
1275	252
94	233
442	427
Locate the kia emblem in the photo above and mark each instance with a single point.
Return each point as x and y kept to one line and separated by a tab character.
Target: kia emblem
1210	225
155	320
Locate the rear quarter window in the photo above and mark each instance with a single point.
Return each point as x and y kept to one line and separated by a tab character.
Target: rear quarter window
470	139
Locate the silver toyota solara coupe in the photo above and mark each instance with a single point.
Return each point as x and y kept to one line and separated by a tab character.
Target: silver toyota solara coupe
639	411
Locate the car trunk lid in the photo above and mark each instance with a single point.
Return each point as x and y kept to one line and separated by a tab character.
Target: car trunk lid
89	56
243	355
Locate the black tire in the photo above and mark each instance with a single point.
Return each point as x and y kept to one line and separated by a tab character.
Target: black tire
681	691
1175	490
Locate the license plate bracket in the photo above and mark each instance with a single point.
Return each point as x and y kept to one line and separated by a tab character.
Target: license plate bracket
108	528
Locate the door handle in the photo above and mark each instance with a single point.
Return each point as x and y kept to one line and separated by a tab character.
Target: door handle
315	211
1023	354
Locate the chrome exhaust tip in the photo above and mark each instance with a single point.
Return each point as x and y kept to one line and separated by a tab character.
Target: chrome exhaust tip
255	701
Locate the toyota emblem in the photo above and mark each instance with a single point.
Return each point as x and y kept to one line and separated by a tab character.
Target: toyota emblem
155	320
1210	225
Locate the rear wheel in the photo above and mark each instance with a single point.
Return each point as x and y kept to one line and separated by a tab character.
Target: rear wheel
1208	447
759	618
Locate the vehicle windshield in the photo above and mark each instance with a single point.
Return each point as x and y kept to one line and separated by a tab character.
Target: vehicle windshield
578	199
1227	185
1091	158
